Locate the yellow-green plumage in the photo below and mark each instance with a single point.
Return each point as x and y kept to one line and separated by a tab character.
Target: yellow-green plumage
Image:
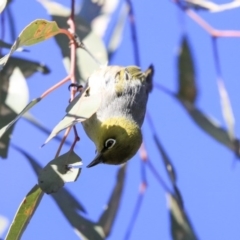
121	113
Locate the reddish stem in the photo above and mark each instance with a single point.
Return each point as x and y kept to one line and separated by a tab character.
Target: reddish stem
71	75
207	27
62	142
66	79
68	33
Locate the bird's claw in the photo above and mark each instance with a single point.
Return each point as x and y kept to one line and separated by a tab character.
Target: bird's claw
79	87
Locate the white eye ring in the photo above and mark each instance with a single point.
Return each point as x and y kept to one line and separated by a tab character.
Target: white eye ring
110	143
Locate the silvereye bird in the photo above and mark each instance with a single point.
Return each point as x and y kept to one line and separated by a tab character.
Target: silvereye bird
115	128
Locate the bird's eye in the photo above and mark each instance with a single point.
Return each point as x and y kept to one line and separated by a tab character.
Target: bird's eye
110	143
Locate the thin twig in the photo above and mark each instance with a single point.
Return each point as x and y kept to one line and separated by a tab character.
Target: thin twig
63	141
136	211
142	190
158	177
216	58
134	33
207	27
164	89
57	85
3	29
71	75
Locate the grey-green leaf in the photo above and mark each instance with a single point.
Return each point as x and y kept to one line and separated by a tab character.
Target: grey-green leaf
57	172
29	106
81	108
85	63
181	228
107	218
209	126
70	207
27	67
35	122
14	97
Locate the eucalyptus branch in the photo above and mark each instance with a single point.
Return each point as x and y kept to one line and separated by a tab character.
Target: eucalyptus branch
207	27
71	76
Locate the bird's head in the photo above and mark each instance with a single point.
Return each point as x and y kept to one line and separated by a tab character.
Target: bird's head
117	141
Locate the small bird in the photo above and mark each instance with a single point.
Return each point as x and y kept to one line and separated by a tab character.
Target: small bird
115	128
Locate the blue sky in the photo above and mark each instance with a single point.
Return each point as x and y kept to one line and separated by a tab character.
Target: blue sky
207	172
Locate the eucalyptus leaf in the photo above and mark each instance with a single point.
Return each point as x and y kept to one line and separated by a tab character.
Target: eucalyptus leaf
98	14
212	6
70	207
8	46
27	108
63	197
209	126
85	63
181	228
36	123
187	89
80	109
14	97
27	67
17	93
166	160
3	4
57	172
14	94
24	213
107	218
37	31
227	111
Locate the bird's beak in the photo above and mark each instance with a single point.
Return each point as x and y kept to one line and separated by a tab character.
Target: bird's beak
98	159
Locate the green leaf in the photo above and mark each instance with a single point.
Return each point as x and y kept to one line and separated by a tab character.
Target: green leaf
70	207
37	31
85	63
24	213
29	106
107	218
180	226
57	172
63	196
187	89
81	108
